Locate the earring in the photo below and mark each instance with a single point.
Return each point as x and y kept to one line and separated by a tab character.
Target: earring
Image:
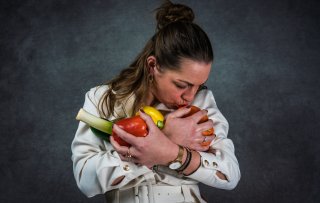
150	78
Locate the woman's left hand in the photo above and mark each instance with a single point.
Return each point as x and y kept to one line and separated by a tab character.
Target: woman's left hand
155	148
188	132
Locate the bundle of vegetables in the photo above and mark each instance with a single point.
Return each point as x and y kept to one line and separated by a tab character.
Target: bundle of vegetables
134	125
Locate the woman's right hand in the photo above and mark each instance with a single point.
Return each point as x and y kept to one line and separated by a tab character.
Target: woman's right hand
186	131
154	149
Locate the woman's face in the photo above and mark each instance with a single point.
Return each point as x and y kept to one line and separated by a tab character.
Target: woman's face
174	88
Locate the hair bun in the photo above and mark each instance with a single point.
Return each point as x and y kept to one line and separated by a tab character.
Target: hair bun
169	12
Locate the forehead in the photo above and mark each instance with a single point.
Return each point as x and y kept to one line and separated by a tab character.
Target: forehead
191	71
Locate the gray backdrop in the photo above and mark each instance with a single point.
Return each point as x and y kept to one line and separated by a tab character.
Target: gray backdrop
265	80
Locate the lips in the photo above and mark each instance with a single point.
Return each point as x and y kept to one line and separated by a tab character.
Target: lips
182	105
176	105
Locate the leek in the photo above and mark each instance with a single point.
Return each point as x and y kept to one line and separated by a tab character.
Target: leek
94	121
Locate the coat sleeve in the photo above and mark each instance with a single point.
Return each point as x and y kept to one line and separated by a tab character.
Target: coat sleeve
224	159
95	163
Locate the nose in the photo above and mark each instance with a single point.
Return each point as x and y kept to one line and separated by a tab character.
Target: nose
189	94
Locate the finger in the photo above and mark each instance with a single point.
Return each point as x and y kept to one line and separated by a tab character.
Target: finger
208	125
199	115
208	132
125	153
128	159
201	148
180	112
208	138
129	138
148	120
207	141
199	140
205	148
120	149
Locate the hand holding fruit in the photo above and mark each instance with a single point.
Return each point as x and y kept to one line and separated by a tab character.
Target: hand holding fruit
190	127
208	132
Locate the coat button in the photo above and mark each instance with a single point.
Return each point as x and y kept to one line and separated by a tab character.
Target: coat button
126	168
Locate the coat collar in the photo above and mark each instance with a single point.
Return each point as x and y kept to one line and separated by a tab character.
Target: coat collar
123	108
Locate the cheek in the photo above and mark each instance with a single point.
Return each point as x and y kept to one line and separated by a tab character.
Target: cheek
173	95
167	94
176	95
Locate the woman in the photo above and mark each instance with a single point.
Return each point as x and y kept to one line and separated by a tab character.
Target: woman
168	164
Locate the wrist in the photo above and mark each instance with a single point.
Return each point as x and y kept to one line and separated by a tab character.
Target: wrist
184	157
194	163
171	154
177	161
186	160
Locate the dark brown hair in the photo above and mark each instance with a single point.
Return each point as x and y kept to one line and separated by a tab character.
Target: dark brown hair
176	38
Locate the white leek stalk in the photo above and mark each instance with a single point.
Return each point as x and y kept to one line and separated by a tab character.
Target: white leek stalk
94	121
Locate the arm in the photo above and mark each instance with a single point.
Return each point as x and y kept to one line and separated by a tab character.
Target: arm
219	169
97	167
205	100
220	160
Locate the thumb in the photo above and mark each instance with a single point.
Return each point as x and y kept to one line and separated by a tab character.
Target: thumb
180	112
147	119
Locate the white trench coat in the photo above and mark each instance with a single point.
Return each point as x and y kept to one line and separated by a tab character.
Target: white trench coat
96	164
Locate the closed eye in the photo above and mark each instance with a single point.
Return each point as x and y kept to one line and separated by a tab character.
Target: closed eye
180	86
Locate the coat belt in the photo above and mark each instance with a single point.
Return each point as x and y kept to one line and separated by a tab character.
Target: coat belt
156	194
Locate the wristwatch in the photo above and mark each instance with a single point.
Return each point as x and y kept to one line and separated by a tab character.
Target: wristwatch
175	164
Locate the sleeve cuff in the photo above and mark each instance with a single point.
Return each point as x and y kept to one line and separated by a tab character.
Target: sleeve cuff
121	168
206	173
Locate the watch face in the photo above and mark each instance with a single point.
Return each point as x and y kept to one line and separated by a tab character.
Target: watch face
175	165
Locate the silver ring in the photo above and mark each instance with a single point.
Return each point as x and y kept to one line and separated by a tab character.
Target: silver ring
205	139
128	155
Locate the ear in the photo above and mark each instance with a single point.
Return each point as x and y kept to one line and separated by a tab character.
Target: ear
151	64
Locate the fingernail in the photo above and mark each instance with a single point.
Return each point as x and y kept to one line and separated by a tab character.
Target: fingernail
115	126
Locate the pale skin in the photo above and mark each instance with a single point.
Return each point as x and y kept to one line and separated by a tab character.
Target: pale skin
160	147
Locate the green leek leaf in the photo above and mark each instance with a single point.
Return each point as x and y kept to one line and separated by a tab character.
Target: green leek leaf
100	134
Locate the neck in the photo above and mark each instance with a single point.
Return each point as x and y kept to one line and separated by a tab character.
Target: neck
150	99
